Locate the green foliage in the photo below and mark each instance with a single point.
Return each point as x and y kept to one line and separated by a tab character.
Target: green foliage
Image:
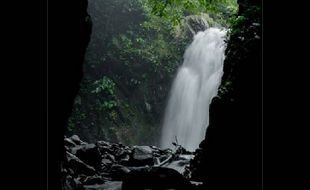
147	52
130	63
104	89
106	105
176	10
104	85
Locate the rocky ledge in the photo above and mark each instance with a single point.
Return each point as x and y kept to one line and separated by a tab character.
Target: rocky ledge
114	166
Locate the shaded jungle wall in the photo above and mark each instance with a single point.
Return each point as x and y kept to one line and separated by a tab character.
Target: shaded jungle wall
230	155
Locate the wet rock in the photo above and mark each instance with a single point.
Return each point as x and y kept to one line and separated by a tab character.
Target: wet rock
106	176
141	168
72	184
163	158
82	177
74	150
125	160
106	161
109	185
78	166
69	142
116	149
66	148
91	180
121	153
180	164
181	150
116	162
76	139
106	164
118	172
142	150
196	23
89	154
111	157
155	178
104	147
103	144
141	156
113	185
156	151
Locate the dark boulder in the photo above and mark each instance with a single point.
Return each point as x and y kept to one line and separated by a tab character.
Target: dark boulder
196	23
118	172
125	160
141	156
103	143
142	150
78	166
72	184
106	161
89	154
121	163
69	142
123	154
109	157
140	168
104	147
109	185
155	178
106	165
76	139
91	180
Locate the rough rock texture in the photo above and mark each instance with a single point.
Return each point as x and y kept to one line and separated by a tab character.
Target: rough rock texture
96	166
78	166
229	157
156	178
109	185
142	155
89	153
196	23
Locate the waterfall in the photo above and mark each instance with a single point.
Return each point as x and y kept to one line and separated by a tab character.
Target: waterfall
196	83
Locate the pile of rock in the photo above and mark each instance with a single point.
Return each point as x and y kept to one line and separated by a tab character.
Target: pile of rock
113	166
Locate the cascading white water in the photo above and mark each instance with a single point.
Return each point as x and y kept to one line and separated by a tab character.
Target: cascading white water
197	81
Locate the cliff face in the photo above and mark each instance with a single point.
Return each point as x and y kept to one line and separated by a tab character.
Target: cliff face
230	155
69	31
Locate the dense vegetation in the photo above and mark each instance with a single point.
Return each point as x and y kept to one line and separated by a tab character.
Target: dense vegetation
175	10
135	50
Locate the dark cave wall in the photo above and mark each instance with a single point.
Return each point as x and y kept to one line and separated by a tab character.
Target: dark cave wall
230	156
69	29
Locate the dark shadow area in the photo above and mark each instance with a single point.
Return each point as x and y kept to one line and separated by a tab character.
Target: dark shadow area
231	154
69	32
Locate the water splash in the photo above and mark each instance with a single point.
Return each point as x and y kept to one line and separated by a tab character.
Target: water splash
197	81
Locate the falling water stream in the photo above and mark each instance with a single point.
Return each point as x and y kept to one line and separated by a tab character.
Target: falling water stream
196	83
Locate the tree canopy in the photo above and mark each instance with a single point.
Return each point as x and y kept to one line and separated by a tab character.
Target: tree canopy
175	10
